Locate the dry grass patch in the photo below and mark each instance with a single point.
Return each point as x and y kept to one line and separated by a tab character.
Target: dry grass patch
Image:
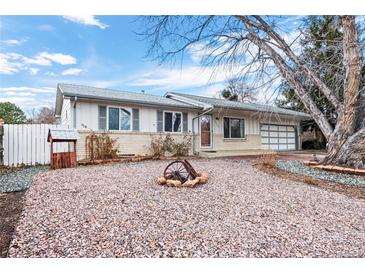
267	159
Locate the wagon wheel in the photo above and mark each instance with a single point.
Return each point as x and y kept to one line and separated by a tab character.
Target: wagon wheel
176	170
190	169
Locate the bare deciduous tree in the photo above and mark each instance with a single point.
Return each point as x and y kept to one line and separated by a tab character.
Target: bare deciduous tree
45	115
237	90
255	47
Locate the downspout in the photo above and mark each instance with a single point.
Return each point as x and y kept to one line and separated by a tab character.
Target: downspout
205	112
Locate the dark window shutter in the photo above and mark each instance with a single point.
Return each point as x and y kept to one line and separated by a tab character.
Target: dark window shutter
102	117
185	122
135	125
159	120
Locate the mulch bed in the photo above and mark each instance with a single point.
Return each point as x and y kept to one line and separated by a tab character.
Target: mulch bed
11	205
352	191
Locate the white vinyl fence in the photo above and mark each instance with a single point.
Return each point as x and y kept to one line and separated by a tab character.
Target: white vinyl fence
27	144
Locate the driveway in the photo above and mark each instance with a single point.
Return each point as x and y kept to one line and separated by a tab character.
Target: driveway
119	211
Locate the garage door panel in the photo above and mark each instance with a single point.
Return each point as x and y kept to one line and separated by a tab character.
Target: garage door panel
274	140
273	146
278	137
282	140
283	147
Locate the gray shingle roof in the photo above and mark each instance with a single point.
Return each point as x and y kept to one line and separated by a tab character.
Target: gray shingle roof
222	103
63	134
117	95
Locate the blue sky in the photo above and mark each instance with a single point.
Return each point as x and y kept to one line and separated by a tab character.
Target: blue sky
37	52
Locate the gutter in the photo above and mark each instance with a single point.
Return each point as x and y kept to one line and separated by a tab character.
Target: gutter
205	112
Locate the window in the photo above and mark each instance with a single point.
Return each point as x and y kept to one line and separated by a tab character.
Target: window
172	121
119	119
234	128
113	118
102	117
125	117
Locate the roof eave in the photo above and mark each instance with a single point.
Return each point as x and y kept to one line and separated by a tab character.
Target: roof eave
90	97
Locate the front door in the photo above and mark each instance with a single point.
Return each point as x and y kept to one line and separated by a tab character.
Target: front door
206	131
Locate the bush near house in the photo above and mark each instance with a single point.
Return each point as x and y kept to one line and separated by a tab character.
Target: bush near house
162	145
100	146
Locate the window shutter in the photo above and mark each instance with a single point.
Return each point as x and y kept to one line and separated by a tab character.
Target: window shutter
159	120
102	117
135	124
185	122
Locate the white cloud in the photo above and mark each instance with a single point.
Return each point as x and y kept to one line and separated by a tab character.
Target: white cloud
192	76
63	59
72	71
33	71
50	73
86	20
28	97
11	63
28	89
14	42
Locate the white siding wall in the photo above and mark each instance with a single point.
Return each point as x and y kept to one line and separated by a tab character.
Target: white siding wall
252	121
87	114
66	114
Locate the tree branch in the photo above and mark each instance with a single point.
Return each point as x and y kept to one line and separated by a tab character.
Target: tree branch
289	74
288	51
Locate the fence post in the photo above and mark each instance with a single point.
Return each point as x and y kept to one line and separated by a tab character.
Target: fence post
1	142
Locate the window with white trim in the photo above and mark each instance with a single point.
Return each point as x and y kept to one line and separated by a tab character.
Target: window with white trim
233	128
172	121
119	119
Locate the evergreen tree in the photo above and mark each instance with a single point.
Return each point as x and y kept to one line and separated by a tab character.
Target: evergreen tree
11	114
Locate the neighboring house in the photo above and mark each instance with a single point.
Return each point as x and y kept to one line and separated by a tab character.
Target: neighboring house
217	126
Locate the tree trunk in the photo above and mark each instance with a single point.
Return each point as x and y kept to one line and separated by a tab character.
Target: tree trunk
351	153
346	144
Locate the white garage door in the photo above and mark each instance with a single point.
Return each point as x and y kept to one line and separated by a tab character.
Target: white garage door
277	137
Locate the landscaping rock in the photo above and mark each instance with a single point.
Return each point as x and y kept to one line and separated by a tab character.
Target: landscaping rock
19	179
318	173
118	210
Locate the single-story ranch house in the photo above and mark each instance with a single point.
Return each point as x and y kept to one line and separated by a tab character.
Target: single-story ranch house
217	126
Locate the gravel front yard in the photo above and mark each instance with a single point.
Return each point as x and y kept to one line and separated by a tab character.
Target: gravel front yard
119	211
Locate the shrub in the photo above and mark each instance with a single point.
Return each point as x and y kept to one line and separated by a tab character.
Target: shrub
182	148
267	159
166	144
100	146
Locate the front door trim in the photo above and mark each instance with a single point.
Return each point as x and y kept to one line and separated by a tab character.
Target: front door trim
211	132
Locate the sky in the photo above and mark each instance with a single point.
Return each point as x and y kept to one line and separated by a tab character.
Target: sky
37	52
